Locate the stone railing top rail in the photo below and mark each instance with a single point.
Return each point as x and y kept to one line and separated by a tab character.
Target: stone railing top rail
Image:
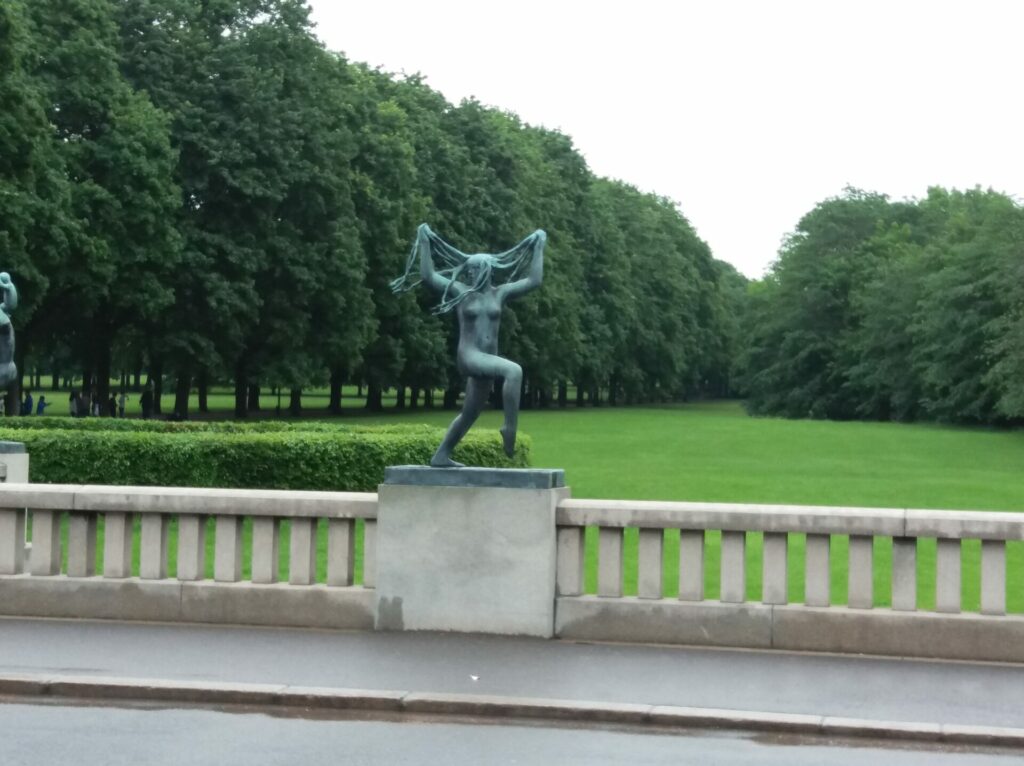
812	519
190	500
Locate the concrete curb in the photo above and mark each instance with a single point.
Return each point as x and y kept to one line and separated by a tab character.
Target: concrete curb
429	703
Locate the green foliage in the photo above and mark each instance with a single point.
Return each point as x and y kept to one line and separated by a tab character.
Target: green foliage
224	455
208	193
892	311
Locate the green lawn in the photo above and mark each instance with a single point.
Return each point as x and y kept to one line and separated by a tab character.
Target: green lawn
715	452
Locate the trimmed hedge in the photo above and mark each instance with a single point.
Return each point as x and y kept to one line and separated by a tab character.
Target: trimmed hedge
49	423
318	456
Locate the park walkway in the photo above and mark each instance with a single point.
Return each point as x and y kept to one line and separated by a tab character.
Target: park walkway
759	682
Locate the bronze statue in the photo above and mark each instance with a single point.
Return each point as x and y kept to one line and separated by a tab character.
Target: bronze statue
477	302
8	370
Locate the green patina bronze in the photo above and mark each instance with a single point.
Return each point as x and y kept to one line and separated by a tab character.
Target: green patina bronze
8	370
477	302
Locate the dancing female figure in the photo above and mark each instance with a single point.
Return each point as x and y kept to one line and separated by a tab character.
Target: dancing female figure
477	303
8	371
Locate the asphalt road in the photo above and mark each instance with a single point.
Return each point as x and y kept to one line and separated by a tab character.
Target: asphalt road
32	735
894	690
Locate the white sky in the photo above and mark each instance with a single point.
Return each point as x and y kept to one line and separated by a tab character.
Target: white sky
746	113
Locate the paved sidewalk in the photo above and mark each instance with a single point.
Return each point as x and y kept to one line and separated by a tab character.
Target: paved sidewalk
854	687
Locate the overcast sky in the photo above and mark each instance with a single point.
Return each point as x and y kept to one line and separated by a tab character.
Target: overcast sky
745	113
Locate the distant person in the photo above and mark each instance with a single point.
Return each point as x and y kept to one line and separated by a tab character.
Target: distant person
81	405
43	404
73	404
146	401
112	407
122	400
26	405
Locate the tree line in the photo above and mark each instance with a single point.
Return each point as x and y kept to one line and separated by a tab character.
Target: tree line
910	310
199	190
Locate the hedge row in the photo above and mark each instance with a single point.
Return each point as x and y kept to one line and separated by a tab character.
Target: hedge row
323	459
48	423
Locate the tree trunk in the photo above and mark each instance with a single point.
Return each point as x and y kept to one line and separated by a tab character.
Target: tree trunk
414	397
374	397
241	391
613	391
156	376
254	397
359	390
451	397
595	396
102	357
334	406
295	402
400	398
55	383
181	392
203	386
428	398
563	393
137	385
525	395
579	394
543	398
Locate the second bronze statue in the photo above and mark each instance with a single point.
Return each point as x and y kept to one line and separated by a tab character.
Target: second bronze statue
467	284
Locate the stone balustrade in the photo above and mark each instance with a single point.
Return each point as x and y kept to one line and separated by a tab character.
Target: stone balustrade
141	553
179	518
771	621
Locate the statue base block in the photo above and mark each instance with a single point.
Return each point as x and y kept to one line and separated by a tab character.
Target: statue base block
468	550
504	478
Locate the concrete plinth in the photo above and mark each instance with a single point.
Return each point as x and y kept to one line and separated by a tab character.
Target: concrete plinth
13	462
474	559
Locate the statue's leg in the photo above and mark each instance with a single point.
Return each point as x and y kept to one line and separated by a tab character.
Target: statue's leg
477	390
510	392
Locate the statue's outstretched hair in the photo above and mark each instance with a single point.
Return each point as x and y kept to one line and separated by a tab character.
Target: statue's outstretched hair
454	263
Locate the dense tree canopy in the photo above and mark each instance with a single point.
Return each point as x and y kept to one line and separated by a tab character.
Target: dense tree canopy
198	188
887	310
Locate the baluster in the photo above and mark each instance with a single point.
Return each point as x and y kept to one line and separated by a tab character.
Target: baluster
650	571
302	550
191	547
817	579
117	545
734	567
775	580
993	577
46	550
691	565
341	551
227	558
947	576
82	545
12	541
153	548
860	589
904	574
369	553
609	562
266	542
569	579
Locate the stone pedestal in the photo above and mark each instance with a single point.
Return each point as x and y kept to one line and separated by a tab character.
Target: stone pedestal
13	462
468	550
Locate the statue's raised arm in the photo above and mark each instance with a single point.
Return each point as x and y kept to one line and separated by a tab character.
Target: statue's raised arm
535	275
